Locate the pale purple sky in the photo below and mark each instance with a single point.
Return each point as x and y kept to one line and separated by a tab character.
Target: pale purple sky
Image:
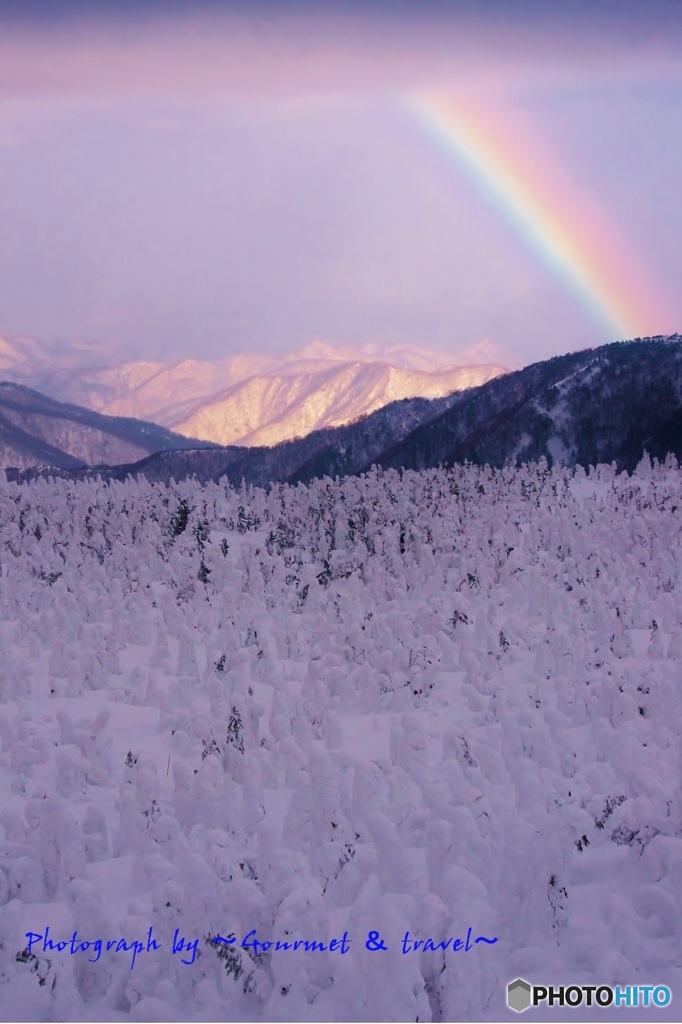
199	179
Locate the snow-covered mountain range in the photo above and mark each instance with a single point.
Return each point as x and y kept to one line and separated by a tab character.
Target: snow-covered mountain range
600	405
245	399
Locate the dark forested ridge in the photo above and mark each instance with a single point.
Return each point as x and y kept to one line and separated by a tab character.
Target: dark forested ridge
603	405
608	404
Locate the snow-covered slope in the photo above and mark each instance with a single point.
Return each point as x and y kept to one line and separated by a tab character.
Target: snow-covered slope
267	409
247	399
410	706
35	430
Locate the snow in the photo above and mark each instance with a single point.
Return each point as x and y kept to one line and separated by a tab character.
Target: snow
421	703
246	399
582	376
558	449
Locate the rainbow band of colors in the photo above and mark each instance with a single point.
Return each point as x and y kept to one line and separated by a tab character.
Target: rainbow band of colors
571	235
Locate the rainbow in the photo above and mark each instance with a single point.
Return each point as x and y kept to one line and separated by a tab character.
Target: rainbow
558	221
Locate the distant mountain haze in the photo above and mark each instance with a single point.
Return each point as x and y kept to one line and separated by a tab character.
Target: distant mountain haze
246	399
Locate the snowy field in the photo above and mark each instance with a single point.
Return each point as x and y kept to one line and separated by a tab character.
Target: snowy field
422	705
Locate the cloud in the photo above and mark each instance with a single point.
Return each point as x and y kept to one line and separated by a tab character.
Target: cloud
271	51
